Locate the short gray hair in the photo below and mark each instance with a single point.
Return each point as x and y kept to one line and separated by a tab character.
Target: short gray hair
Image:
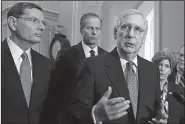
127	13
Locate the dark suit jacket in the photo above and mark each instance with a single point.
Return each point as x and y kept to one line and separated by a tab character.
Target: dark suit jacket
14	109
172	76
66	68
98	73
176	107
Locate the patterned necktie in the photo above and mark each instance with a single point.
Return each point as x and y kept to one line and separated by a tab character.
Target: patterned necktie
182	81
132	86
25	76
92	53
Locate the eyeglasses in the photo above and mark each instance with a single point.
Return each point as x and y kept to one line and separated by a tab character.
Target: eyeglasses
34	20
181	55
127	28
97	29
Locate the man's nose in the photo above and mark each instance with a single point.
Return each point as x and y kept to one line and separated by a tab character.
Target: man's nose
41	27
131	33
94	31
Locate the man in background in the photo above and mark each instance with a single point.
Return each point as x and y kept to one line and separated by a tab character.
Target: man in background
68	64
177	75
25	73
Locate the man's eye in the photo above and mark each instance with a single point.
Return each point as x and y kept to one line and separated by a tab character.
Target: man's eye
35	20
44	23
97	28
88	27
139	29
125	27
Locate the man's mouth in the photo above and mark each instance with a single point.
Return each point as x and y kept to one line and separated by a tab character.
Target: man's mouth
38	35
94	38
129	44
162	74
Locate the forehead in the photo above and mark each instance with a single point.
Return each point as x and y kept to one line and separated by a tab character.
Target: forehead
92	21
165	61
34	12
134	19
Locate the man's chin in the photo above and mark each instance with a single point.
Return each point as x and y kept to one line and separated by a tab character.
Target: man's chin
129	51
35	41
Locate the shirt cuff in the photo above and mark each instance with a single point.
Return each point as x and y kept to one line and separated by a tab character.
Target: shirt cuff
93	116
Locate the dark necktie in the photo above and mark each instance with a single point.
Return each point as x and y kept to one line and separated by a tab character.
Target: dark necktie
92	53
132	86
25	76
182	81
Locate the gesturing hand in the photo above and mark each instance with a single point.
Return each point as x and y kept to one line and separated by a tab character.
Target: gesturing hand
110	109
160	121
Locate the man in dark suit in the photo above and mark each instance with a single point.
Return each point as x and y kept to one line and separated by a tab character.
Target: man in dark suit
104	92
25	73
177	76
69	62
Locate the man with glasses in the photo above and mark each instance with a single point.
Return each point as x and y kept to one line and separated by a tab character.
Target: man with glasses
120	87
25	73
68	64
177	75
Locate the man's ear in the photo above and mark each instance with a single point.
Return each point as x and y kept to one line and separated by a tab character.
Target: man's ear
81	31
115	34
144	39
12	23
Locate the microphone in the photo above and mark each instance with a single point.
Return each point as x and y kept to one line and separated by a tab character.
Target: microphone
179	97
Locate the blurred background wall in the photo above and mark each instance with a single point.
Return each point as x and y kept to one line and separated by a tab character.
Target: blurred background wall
166	22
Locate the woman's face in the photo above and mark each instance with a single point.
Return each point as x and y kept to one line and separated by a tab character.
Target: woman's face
164	68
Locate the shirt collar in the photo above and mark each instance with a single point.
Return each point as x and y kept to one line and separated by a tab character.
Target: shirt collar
16	51
123	62
87	49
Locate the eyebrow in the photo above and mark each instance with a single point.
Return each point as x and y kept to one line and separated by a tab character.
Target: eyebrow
143	28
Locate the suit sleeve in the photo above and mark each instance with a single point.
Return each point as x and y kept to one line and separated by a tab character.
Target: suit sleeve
53	110
157	98
83	96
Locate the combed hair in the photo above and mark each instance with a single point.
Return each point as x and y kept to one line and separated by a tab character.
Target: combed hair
165	54
86	16
18	9
126	13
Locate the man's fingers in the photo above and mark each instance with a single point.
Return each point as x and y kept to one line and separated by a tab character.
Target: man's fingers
117	100
106	95
115	111
117	116
150	122
163	121
156	121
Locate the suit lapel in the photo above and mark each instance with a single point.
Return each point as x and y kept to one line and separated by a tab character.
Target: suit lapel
144	85
38	86
100	51
11	72
115	74
81	52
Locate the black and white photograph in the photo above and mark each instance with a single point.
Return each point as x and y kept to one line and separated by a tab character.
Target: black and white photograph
92	62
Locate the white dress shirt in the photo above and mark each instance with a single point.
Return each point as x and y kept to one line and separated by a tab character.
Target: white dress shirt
87	50
16	52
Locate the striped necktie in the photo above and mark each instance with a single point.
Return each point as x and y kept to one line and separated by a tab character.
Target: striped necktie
92	53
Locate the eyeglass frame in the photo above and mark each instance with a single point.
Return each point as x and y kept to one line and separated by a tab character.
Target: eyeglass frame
140	30
31	19
181	55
